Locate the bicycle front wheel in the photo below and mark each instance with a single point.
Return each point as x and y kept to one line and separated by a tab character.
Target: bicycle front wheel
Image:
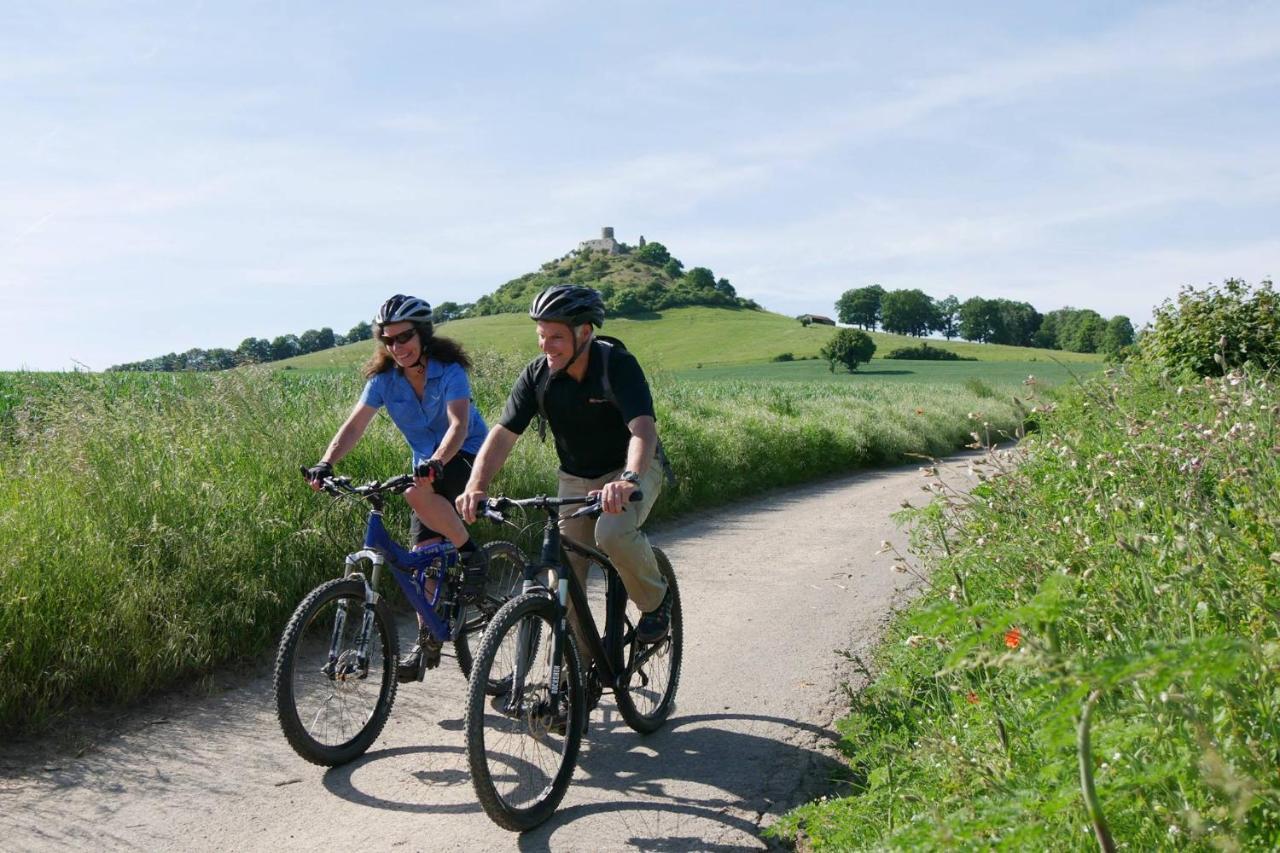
522	744
503	581
652	672
335	673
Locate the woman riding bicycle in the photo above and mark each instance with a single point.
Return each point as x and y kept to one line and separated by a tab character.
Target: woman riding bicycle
422	381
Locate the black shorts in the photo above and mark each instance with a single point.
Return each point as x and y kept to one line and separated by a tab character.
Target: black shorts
456	474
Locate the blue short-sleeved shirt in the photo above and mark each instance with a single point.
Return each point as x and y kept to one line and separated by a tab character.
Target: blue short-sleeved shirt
424	422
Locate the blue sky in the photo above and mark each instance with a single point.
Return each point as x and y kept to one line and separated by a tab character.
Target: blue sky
177	175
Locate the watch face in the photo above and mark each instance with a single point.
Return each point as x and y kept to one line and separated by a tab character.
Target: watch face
630	476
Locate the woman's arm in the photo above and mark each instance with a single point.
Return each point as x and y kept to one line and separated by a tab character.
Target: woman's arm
348	435
459	412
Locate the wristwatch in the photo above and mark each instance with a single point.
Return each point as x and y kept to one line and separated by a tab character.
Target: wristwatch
631	477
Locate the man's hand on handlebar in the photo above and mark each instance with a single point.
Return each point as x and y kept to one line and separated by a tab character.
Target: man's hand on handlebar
471	503
615	495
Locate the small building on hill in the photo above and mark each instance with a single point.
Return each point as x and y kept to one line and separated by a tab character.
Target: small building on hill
816	318
606	243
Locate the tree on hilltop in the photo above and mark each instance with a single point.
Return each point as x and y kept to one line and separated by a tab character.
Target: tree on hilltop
948	317
654	254
907	312
860	306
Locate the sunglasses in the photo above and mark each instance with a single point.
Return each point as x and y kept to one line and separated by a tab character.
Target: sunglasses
404	337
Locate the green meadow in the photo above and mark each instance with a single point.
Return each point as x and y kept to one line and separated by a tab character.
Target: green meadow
154	526
683	338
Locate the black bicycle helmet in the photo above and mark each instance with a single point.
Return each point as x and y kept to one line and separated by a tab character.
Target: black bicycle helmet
403	309
569	303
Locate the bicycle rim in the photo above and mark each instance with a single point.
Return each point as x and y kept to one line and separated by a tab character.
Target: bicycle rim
332	701
503	582
521	763
653	671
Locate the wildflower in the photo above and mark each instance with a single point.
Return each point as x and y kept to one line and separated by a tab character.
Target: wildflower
971	698
1013	637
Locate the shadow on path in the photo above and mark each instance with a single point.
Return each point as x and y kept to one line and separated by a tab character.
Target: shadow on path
730	769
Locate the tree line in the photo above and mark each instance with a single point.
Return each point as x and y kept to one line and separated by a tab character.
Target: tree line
992	321
250	351
262	351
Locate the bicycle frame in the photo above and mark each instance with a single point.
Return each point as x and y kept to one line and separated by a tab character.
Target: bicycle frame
604	650
410	570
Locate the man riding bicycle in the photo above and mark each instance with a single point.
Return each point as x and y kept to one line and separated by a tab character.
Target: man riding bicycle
605	436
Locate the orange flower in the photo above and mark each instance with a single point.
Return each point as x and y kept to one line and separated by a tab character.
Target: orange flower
1013	637
971	698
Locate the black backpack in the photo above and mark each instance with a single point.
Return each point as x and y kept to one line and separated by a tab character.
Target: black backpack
606	347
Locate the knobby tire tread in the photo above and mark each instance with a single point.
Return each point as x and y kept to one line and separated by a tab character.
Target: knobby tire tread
651	722
462	645
520	820
286	708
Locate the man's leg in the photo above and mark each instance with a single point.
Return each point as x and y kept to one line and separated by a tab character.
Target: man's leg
583	530
628	548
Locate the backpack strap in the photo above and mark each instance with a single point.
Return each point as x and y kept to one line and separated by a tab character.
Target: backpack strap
606	348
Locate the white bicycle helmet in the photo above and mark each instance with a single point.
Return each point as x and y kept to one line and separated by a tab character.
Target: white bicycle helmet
403	309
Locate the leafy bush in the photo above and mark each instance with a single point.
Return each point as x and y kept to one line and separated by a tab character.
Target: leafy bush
1122	567
1211	331
784	356
924	352
848	348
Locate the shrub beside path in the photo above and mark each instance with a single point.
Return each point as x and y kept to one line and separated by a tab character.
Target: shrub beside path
773	588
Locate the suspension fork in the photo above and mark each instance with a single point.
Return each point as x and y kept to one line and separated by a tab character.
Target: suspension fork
370	603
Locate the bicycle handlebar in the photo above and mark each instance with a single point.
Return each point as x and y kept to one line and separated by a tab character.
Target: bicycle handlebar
342	485
493	507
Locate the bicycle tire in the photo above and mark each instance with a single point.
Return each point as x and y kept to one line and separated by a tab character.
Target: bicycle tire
506	576
344	718
646	704
520	765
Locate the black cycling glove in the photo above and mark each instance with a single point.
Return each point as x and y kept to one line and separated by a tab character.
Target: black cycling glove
316	473
431	469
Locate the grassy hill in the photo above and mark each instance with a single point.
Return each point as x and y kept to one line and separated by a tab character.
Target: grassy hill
682	339
634	281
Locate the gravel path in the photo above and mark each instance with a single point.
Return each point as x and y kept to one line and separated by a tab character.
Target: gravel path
772	588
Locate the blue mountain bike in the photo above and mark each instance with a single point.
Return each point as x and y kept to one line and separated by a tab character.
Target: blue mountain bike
335	672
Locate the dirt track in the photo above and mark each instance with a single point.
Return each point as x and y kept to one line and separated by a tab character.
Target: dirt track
772	588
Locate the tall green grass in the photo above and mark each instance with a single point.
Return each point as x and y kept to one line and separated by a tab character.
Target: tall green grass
153	527
1098	652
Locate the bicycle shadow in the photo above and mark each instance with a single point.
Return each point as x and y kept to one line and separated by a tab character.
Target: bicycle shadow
699	777
730	769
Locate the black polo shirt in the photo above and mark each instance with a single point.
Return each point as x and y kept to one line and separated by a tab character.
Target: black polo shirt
591	433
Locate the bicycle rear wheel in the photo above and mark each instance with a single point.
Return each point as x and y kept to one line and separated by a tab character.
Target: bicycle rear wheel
503	581
331	700
521	756
652	671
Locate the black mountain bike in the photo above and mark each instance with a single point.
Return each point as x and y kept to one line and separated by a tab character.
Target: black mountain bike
523	739
335	673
